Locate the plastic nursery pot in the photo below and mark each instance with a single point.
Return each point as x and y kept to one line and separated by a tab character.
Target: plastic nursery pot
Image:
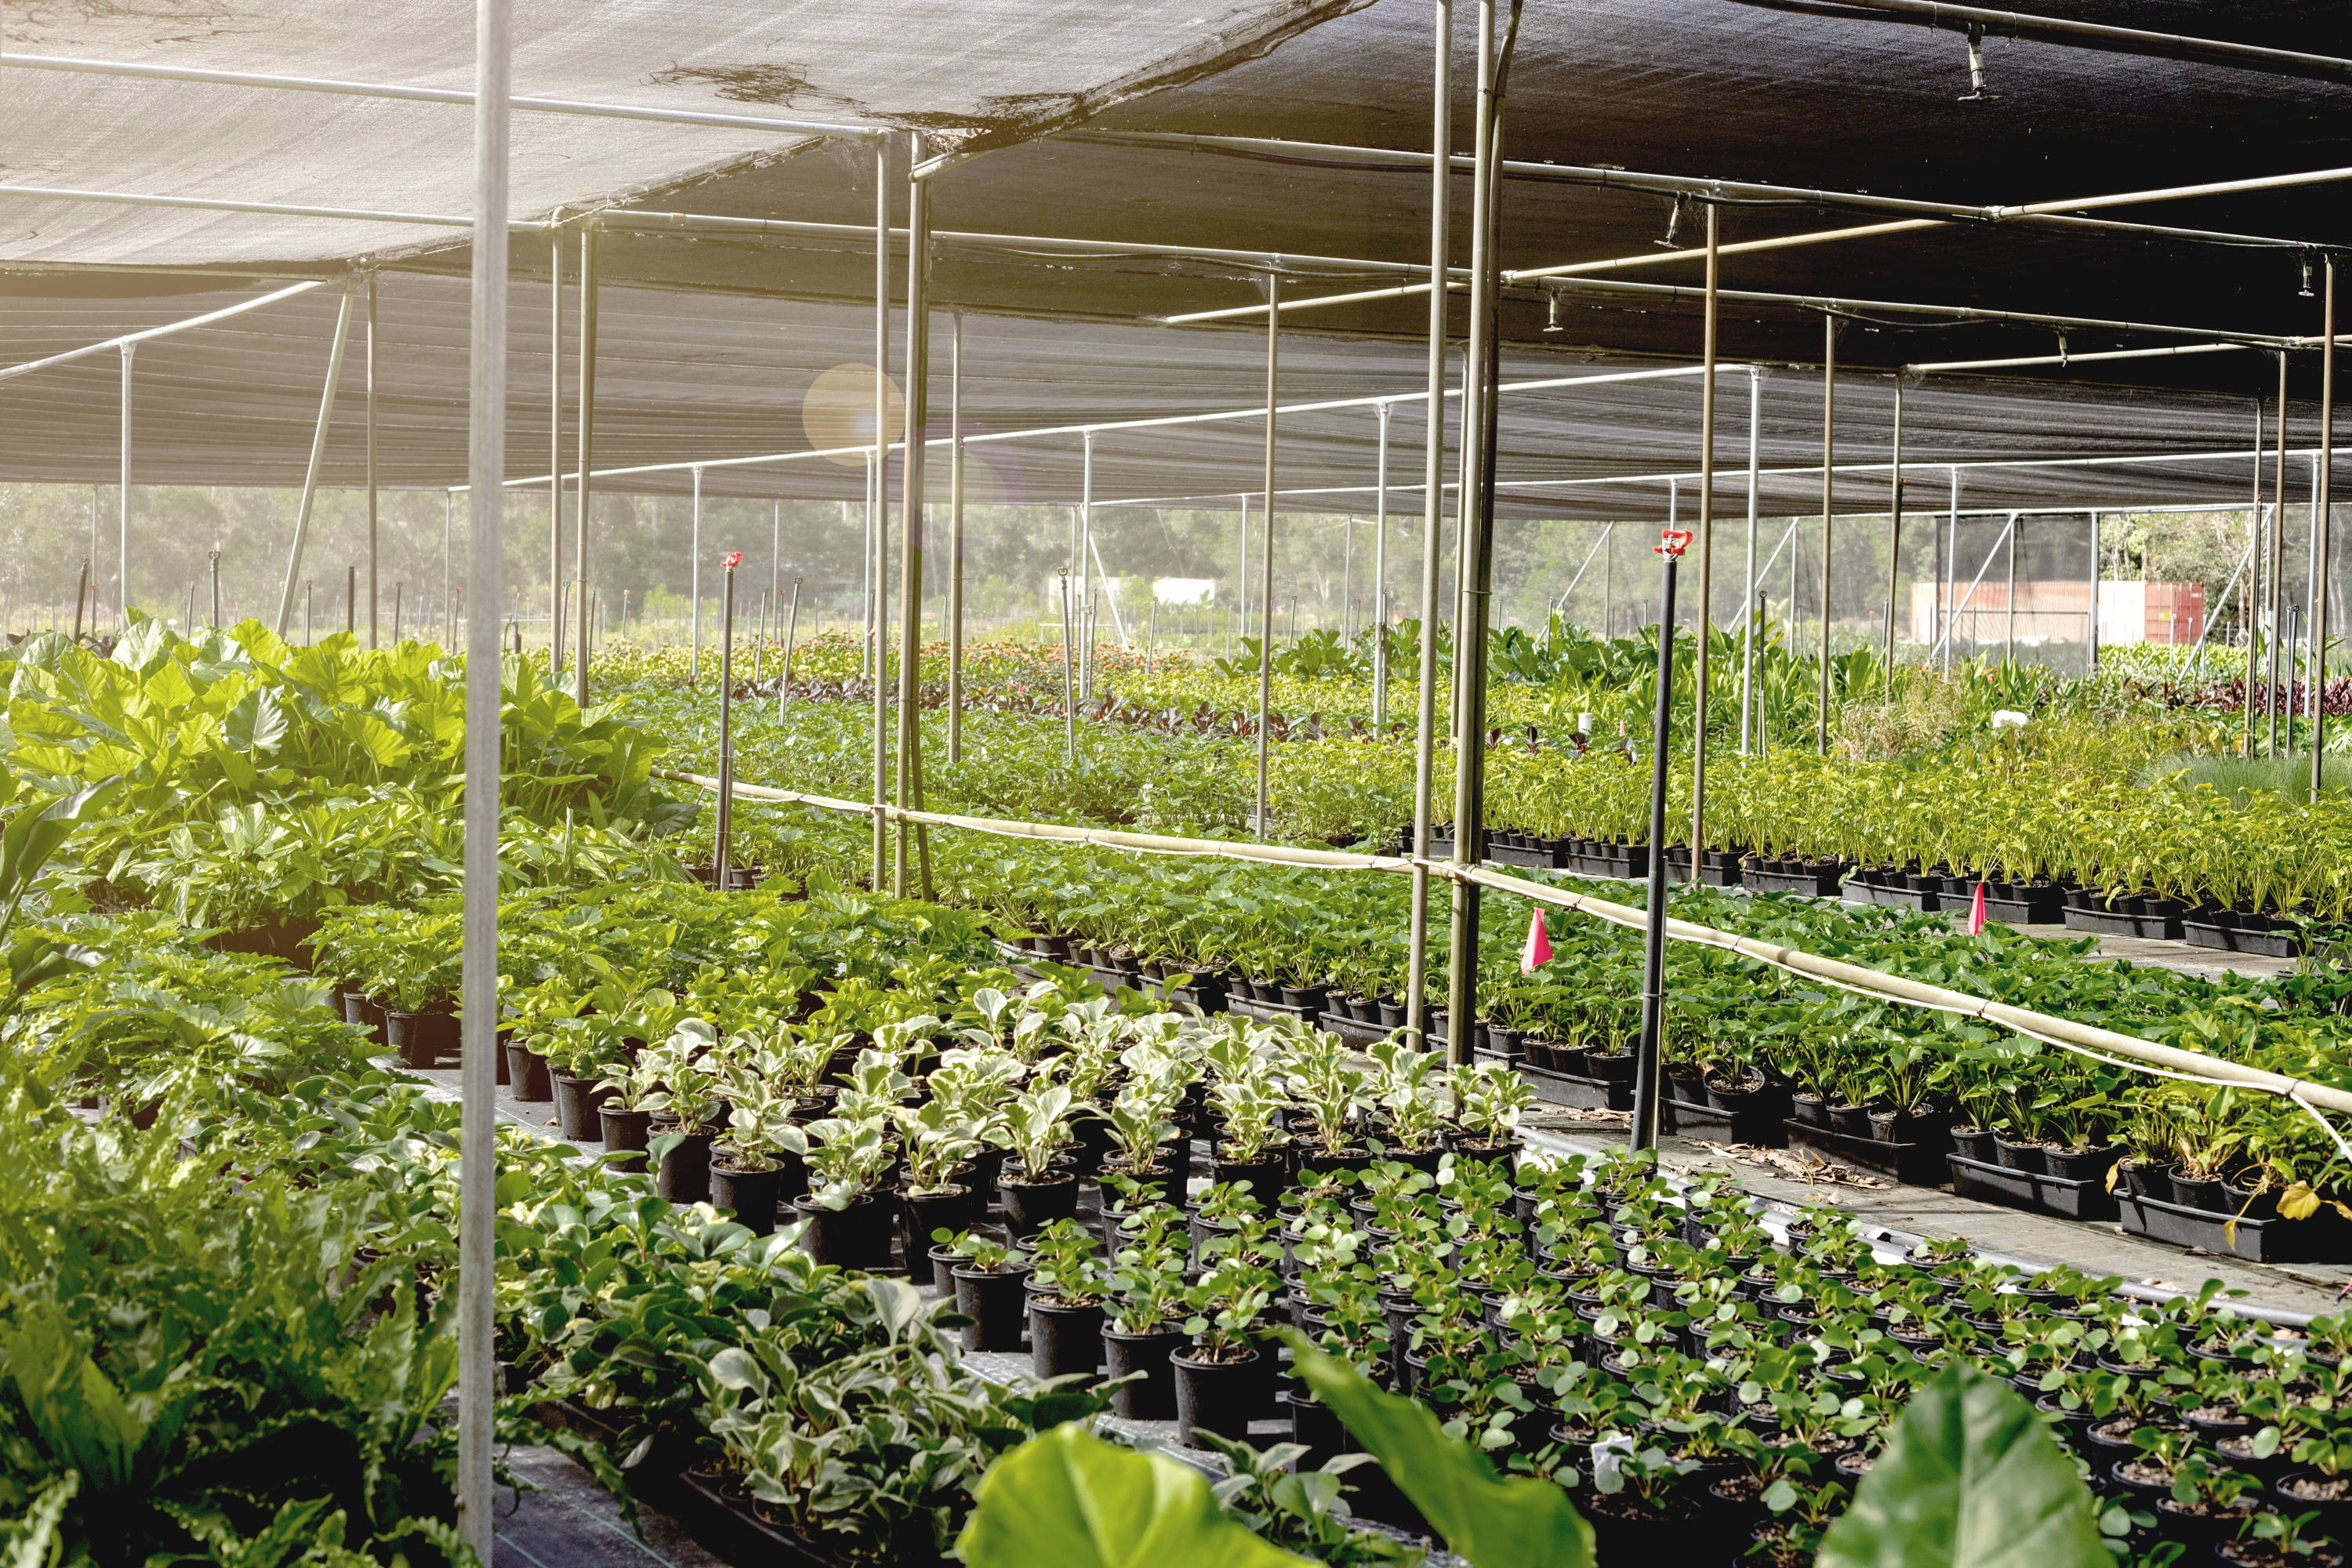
1217	1397
1810	1110
626	1132
856	1236
2080	1165
1315	1428
1064	1339
2143	1180
1151	1397
1973	1144
1611	1066
577	1101
409	1037
955	1210
2197	1192
2017	1156
943	1264
2304	1491
995	1301
749	1195
1031	1206
1853	1121
1157	1181
360	1010
527	1070
684	1175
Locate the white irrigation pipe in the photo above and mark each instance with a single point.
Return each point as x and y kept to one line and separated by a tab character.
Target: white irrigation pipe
2082	1039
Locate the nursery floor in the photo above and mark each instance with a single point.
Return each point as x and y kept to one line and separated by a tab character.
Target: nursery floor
2095	1247
569	1521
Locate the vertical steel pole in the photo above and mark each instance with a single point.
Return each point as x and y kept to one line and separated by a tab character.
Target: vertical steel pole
1432	497
122	501
1895	537
2322	521
910	491
878	505
694	588
1265	555
1241	603
1380	574
351	597
448	580
2278	562
555	451
1646	1060
791	631
1069	681
1705	553
477	1146
2252	601
212	558
590	289
1829	521
1474	559
318	460
955	539
1747	592
725	814
372	496
2094	581
2009	640
1088	568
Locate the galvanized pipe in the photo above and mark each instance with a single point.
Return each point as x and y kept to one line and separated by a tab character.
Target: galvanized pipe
1266	554
372	502
122	502
317	454
1706	546
1748	627
955	540
910	491
128	339
1895	534
1380	574
591	289
1829	515
2277	564
877	613
554	453
2323	522
694	588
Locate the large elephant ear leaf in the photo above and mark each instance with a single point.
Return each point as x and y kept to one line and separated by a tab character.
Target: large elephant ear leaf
1066	1500
1487	1522
1971	1478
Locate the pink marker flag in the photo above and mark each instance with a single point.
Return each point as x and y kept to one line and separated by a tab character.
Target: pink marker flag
1539	948
1976	911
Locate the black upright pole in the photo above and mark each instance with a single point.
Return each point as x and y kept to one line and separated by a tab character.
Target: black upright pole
726	813
1671	544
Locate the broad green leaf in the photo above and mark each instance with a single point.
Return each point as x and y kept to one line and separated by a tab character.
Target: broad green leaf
1969	1478
1486	1520
1066	1500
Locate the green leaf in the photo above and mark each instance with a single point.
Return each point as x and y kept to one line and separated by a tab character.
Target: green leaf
1076	1502
1488	1521
1969	1478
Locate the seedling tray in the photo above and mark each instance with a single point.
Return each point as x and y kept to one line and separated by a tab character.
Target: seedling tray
732	1533
2324	1237
2030	1190
1812	884
2115	922
1546	857
2232	939
1355	1031
1761	1128
1912	1164
2039	907
1860	892
1254	1008
1576	1091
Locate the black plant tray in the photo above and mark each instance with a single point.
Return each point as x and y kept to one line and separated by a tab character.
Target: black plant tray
1576	1091
1765	1128
732	1533
1716	869
2324	1237
2231	938
1927	903
2039	907
2115	922
1814	884
1355	1031
1547	856
2030	1190
1253	1008
1912	1164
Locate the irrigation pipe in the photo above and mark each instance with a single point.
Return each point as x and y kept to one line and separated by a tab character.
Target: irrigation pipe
2065	1033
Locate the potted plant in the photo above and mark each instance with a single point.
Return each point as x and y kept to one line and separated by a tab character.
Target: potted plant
1489	1099
1410	1093
1218	1385
1326	1084
846	1222
1068	1281
988	1290
1142	1128
1035	1129
936	1140
756	1162
1249	1147
684	1109
1147	1286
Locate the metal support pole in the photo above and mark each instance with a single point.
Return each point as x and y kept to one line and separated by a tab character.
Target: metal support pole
1441	130
2009	638
555	451
2094	582
1748	627
1895	538
212	562
350	598
122	497
955	539
309	631
791	631
372	493
2321	522
1380	574
693	588
725	812
1705	551
1474	558
1089	574
1265	553
878	505
910	491
1069	681
2252	601
1829	517
317	457
478	987
2278	563
589	291
448	584
1646	1060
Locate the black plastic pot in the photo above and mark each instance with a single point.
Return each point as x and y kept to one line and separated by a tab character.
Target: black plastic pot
955	1211
2197	1192
1064	1340
1267	1179
2335	1519
2030	1157
2141	1180
527	1071
1973	1144
1810	1110
2079	1165
1151	1397
995	1302
1218	1396
577	1101
683	1175
1031	1206
410	1037
750	1195
857	1237
1314	1426
626	1132
1853	1121
943	1265
1161	1181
